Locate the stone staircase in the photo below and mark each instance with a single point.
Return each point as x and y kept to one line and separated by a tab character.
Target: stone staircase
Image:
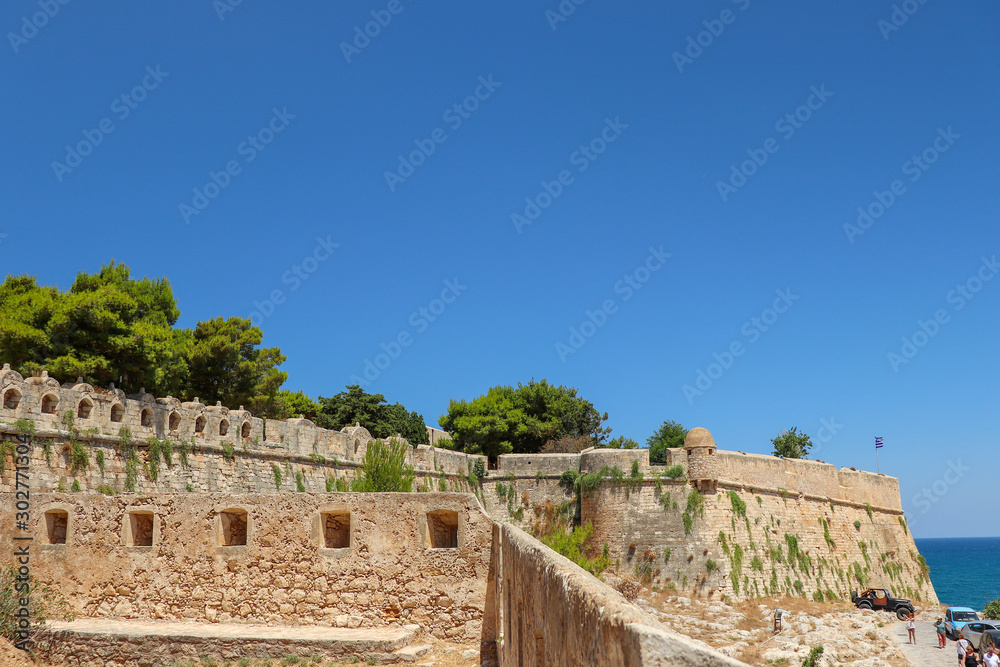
131	643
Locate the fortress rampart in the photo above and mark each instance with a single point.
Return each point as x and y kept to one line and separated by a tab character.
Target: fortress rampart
209	448
731	524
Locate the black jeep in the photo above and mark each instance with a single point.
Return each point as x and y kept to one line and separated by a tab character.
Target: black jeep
881	599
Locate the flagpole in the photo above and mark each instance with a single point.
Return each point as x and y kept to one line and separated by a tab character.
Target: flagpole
877	470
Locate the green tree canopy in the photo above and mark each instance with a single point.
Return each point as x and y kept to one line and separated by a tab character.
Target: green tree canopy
225	364
670	435
356	406
109	327
295	403
792	445
521	420
621	442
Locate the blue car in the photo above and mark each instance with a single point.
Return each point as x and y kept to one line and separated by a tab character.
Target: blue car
955	618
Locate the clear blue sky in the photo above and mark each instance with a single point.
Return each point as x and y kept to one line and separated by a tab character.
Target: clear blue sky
652	181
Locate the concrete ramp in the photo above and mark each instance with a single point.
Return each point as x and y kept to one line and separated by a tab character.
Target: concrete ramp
155	643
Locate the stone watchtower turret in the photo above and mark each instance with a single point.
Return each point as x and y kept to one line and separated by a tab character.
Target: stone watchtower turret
701	462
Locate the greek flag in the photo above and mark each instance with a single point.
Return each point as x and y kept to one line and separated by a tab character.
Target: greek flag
878	442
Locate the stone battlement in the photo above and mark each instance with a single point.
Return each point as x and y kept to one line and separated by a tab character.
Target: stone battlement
99	415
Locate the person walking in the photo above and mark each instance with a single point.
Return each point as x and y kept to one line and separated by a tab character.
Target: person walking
991	659
971	659
939	626
911	628
961	645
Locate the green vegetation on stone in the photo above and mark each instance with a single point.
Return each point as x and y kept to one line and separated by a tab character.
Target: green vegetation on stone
384	468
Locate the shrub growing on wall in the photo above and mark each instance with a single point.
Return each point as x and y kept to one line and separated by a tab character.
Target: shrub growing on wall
384	468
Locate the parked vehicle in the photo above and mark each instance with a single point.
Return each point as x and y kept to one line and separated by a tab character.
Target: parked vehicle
989	639
955	619
974	630
880	599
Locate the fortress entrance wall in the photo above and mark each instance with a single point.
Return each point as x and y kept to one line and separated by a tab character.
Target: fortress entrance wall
338	559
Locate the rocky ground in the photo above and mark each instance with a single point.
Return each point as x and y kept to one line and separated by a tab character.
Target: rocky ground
744	630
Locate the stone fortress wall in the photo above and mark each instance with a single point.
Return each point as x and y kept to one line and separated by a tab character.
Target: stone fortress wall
842	528
211	447
339	559
756	525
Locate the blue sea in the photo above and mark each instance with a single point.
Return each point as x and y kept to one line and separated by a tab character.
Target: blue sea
965	571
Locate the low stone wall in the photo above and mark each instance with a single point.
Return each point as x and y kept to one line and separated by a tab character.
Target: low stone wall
92	643
529	465
541	609
391	559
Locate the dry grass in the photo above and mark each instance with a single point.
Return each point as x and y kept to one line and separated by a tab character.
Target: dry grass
805	605
752	654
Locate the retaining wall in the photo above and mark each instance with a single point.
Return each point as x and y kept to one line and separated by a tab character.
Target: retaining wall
548	611
394	563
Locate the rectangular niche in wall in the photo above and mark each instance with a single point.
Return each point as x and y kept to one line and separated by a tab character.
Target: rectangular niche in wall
442	529
336	530
56	524
140	525
234	528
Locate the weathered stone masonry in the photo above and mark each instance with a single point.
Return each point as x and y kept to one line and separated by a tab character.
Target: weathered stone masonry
845	529
339	559
225	450
768	525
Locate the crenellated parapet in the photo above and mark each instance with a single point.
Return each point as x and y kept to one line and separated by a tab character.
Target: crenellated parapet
45	402
101	415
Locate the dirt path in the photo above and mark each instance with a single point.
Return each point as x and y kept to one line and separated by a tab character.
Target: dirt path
925	652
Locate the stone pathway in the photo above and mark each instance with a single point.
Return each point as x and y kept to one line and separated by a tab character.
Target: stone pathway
925	652
163	642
